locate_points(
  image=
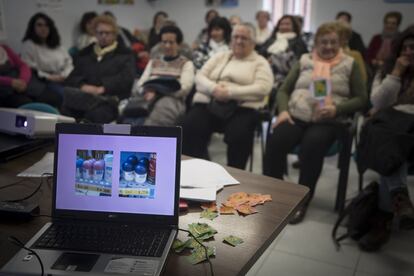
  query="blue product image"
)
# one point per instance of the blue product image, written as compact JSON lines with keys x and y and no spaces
{"x":144,"y":162}
{"x":133,"y":160}
{"x":79,"y":168}
{"x":140,"y":174}
{"x":128,"y":171}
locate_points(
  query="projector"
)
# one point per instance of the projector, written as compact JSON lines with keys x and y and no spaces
{"x":31,"y":123}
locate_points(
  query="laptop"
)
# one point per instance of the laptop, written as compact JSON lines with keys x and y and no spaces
{"x":115,"y":203}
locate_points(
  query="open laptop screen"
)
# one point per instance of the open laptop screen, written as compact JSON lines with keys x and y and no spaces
{"x":117,"y":174}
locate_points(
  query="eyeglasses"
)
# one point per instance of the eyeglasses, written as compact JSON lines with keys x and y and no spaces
{"x":102,"y":33}
{"x":165,"y":42}
{"x":328,"y":42}
{"x":241,"y":38}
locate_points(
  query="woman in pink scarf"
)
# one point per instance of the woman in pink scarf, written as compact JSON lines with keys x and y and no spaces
{"x":320,"y":93}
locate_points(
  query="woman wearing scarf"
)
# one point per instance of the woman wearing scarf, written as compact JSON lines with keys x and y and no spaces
{"x":283,"y":48}
{"x":219,"y":35}
{"x":321,"y":91}
{"x":380,"y":46}
{"x":14,"y":77}
{"x":104,"y":73}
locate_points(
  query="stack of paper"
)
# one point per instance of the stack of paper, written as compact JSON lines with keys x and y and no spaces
{"x":201,"y":179}
{"x":45,"y":165}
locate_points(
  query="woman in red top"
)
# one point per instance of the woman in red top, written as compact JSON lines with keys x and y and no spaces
{"x":14,"y":77}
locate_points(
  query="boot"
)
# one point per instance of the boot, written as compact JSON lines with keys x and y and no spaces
{"x":379,"y":233}
{"x":403,"y":208}
{"x":300,"y":214}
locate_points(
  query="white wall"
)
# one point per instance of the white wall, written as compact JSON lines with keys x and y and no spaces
{"x":189,"y":15}
{"x":367,"y":15}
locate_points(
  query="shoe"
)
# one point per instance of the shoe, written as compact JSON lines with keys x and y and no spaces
{"x":296,"y":164}
{"x":379,"y":233}
{"x":403,"y":209}
{"x":299,"y":215}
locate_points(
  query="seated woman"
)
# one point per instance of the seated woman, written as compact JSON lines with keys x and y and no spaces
{"x":184,"y":49}
{"x":345,"y":33}
{"x":166,"y":109}
{"x":104,"y":73}
{"x":321,"y":91}
{"x":387,"y":140}
{"x":284,"y":47}
{"x":14,"y":77}
{"x":87,"y":36}
{"x":240,"y":80}
{"x":50,"y":62}
{"x":203,"y":34}
{"x":219,"y":34}
{"x":154,"y":33}
{"x":379,"y":47}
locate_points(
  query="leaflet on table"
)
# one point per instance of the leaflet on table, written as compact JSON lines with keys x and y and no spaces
{"x":199,"y":194}
{"x":45,"y":165}
{"x":198,"y":173}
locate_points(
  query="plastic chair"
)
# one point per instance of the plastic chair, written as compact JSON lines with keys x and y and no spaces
{"x":43,"y":107}
{"x":343,"y":148}
{"x":265,"y":115}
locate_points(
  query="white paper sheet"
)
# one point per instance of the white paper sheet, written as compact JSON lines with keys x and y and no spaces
{"x":45,"y":165}
{"x":199,"y":194}
{"x":198,"y":173}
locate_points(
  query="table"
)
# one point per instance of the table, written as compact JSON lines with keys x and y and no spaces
{"x":257,"y":230}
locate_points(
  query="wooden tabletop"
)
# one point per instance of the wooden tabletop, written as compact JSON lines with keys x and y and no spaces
{"x":257,"y":230}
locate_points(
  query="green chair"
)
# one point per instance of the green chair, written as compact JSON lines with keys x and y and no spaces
{"x":40,"y":107}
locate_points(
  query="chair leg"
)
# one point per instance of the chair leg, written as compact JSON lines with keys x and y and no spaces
{"x":344,"y":156}
{"x":360,"y":181}
{"x":251,"y":158}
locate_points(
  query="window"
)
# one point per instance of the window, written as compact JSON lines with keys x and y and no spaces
{"x":278,"y":8}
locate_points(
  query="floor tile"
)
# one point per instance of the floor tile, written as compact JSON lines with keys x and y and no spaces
{"x":312,"y":239}
{"x":395,"y":258}
{"x":309,"y":243}
{"x":283,"y":264}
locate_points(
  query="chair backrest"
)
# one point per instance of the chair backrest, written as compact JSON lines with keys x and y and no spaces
{"x":40,"y":107}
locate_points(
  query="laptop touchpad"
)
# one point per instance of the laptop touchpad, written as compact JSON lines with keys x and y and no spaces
{"x":75,"y":262}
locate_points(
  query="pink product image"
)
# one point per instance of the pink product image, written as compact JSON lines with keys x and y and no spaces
{"x":88,"y":168}
{"x":98,"y":170}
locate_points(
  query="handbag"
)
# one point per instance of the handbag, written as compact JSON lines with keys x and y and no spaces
{"x":76,"y":99}
{"x":136,"y":107}
{"x":222,"y":110}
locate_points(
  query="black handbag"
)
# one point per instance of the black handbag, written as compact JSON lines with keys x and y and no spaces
{"x":74,"y":98}
{"x":222,"y":110}
{"x":137,"y":107}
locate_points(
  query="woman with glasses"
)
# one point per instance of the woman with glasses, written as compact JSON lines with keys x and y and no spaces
{"x":321,"y":92}
{"x":237,"y":81}
{"x":50,"y":62}
{"x":104,"y":73}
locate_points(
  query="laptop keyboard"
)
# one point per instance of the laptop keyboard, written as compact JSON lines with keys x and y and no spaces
{"x":111,"y":239}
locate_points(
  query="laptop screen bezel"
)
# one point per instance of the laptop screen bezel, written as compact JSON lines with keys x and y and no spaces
{"x":142,"y":131}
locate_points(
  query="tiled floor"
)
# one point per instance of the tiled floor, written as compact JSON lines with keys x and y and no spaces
{"x":307,"y":248}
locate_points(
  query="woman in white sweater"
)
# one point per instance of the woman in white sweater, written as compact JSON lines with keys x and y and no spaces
{"x":239,"y":78}
{"x":50,"y":62}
